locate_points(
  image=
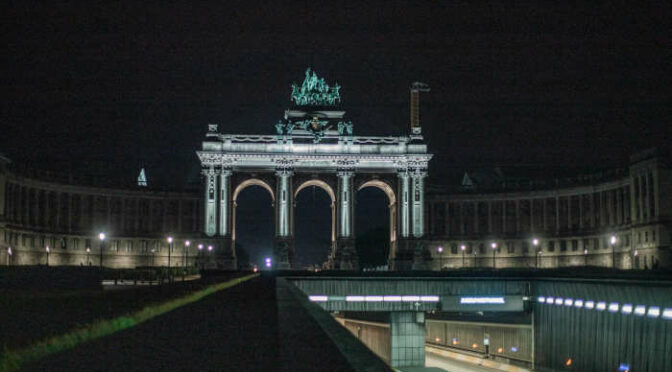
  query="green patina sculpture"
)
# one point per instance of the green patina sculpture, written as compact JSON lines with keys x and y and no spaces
{"x":315,"y":92}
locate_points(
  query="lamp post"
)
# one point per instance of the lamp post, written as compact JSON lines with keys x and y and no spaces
{"x":494,"y":252}
{"x":101,"y":237}
{"x":186,"y":247}
{"x":635,"y":257}
{"x":209,"y":252}
{"x":535,"y":244}
{"x":585,"y":257}
{"x":88,"y":251}
{"x":9,"y":255}
{"x":462,"y":248}
{"x":200,"y":256}
{"x":170,"y":248}
{"x":539,"y":255}
{"x":612,"y":240}
{"x":47,"y":249}
{"x":440,"y":250}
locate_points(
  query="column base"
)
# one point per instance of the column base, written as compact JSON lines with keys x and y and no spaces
{"x":344,"y":255}
{"x":283,"y":253}
{"x":225,"y":254}
{"x":411,"y":254}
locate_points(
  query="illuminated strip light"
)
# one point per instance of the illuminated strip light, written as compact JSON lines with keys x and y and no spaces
{"x":569,"y":302}
{"x":578,"y":303}
{"x":429,"y":298}
{"x":601,"y":305}
{"x":391,"y":298}
{"x":626,"y":308}
{"x":590,"y":304}
{"x":482,"y":300}
{"x":558,"y":301}
{"x":640,"y":310}
{"x":613,"y":307}
{"x":354,"y":298}
{"x":549,"y":300}
{"x":373,"y":298}
{"x":667,"y":313}
{"x":410,"y":298}
{"x":541,"y":299}
{"x":318,"y":298}
{"x":654,"y":311}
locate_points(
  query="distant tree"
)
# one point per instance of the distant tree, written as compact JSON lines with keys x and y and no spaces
{"x":373,"y":247}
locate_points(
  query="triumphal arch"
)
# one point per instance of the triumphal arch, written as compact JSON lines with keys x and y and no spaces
{"x":314,"y":145}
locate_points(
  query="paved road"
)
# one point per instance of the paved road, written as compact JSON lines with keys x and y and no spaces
{"x":232,"y":330}
{"x":452,"y":365}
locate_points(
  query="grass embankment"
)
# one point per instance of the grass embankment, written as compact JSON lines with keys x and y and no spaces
{"x":12,"y":360}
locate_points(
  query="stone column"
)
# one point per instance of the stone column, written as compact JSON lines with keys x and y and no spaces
{"x":407,"y":339}
{"x":210,"y":201}
{"x":345,"y":256}
{"x":404,"y":210}
{"x":225,"y":255}
{"x":224,"y":203}
{"x":283,"y":254}
{"x":418,"y":211}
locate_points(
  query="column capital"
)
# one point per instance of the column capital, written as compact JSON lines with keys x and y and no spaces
{"x":210,"y":171}
{"x":402,"y":172}
{"x":284,"y":172}
{"x":345,"y":172}
{"x":418,"y":173}
{"x":226,"y":172}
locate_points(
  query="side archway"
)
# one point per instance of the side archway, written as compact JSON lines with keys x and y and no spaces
{"x":243,"y":185}
{"x":391,"y":196}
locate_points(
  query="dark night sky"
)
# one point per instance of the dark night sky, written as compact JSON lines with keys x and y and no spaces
{"x":87,"y":84}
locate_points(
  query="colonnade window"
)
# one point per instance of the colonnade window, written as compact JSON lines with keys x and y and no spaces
{"x":551,"y":246}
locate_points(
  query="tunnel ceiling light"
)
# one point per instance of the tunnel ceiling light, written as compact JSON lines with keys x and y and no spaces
{"x":569,"y":302}
{"x":613,"y":307}
{"x":549,"y":300}
{"x":590,"y":304}
{"x":318,"y":298}
{"x":429,"y":298}
{"x":392,"y":298}
{"x":373,"y":298}
{"x":410,"y":298}
{"x":354,"y":298}
{"x":601,"y":305}
{"x":541,"y":299}
{"x":626,"y":309}
{"x":578,"y":303}
{"x":654,"y":311}
{"x":667,"y":313}
{"x":482,"y":300}
{"x":558,"y":301}
{"x":514,"y":349}
{"x":640,"y":310}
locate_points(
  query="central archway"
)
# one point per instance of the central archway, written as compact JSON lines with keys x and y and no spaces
{"x":392,"y":206}
{"x":332,"y":197}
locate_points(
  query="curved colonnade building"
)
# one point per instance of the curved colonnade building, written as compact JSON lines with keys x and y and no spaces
{"x":620,"y":218}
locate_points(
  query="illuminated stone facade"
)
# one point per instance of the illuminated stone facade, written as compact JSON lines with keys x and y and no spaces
{"x":573,"y":221}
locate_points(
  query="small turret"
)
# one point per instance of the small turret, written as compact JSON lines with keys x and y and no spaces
{"x":416,"y":88}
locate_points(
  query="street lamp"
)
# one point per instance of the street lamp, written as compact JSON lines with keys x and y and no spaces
{"x":494,"y":251}
{"x":535,"y":244}
{"x":539,"y":255}
{"x":101,"y":236}
{"x":462,"y":248}
{"x":186,"y":247}
{"x":170,"y":248}
{"x":88,"y":251}
{"x":268,"y":262}
{"x":613,"y":251}
{"x":200,"y":255}
{"x":47,"y":249}
{"x":9,"y":255}
{"x":440,"y":250}
{"x":585,"y":257}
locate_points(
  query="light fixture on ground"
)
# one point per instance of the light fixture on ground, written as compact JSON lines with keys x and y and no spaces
{"x":101,"y":237}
